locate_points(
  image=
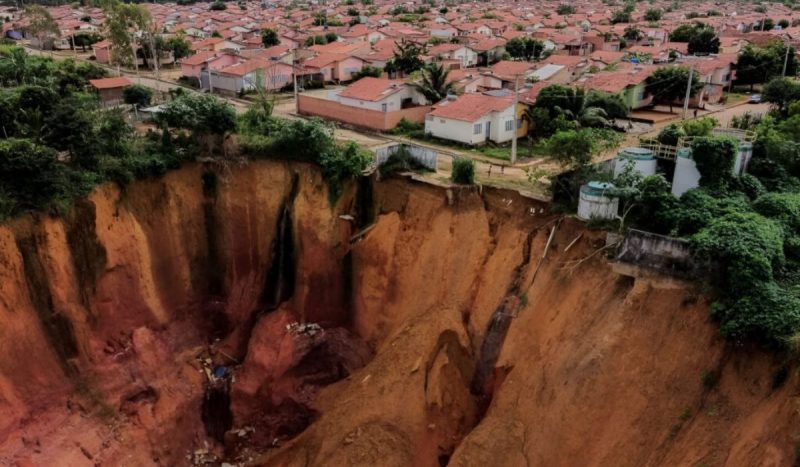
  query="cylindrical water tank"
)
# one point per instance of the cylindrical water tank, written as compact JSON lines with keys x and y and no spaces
{"x":686,"y":174}
{"x":643,"y":160}
{"x":596,"y":202}
{"x":743,"y":158}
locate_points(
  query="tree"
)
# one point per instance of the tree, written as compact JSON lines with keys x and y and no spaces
{"x":406,"y":57}
{"x":684,"y":32}
{"x":760,"y":64}
{"x":704,"y":41}
{"x":200,"y":113}
{"x":715,"y":158}
{"x":331,"y":37}
{"x":463,"y":171}
{"x":137,"y":95}
{"x":32,"y":176}
{"x":575,"y":149}
{"x":525,"y":48}
{"x":41,"y":24}
{"x":269,"y":38}
{"x":367,"y":70}
{"x":781,"y":91}
{"x":435,"y":84}
{"x":669,"y":84}
{"x":84,"y":40}
{"x":633,"y":34}
{"x":621,"y":17}
{"x":612,"y":104}
{"x":653,"y":14}
{"x":565,"y":9}
{"x":120,"y":20}
{"x":218,"y":5}
{"x":179,"y":47}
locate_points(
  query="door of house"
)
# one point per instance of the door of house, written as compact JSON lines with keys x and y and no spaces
{"x":488,"y":130}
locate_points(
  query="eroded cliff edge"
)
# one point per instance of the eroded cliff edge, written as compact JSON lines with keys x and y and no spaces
{"x":103,"y":315}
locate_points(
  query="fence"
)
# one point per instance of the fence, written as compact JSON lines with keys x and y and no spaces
{"x":365,"y":118}
{"x":665,"y":254}
{"x":424,"y":156}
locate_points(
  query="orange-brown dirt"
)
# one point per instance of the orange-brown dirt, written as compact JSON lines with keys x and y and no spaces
{"x":108,"y":316}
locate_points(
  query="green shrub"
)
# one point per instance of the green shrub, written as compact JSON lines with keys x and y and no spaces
{"x":769,"y":314}
{"x":399,"y":161}
{"x":341,"y":164}
{"x":137,"y":95}
{"x":671,"y":134}
{"x":463,"y":171}
{"x":715,"y":158}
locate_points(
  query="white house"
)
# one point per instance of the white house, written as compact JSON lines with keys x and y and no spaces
{"x":473,"y":119}
{"x":463,"y":54}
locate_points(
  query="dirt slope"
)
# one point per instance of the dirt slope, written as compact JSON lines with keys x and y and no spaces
{"x":108,"y":315}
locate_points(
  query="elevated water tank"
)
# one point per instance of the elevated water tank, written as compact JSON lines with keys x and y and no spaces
{"x":686,"y":174}
{"x":643,"y":160}
{"x":596,"y":202}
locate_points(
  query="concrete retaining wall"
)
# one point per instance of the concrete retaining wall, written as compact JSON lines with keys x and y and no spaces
{"x":665,"y":254}
{"x":424,"y":156}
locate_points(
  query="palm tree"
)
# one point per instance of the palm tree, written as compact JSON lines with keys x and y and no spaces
{"x":434,"y":85}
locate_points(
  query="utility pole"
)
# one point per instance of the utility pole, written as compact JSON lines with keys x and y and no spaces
{"x":785,"y":60}
{"x":514,"y":136}
{"x":688,"y":93}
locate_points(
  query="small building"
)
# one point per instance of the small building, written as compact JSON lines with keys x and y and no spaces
{"x":110,"y":89}
{"x":102,"y":51}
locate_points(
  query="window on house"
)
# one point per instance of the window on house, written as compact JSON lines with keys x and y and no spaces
{"x":509,"y":125}
{"x":384,"y":107}
{"x":477,"y":129}
{"x":441,"y":120}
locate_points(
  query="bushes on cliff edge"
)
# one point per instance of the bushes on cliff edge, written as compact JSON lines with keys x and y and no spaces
{"x":463,"y":171}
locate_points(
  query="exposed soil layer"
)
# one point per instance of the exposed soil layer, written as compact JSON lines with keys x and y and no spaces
{"x":244,"y":317}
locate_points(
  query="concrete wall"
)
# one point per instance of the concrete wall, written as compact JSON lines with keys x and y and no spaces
{"x":664,"y":254}
{"x":426,"y":157}
{"x":365,"y":118}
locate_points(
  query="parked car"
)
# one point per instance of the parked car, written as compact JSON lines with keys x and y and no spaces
{"x":755,"y":99}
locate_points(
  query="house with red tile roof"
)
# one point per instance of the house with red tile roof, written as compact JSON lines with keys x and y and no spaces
{"x":474,"y":119}
{"x":247,"y":76}
{"x":630,"y":84}
{"x":333,"y":66}
{"x":110,"y":89}
{"x":463,"y":54}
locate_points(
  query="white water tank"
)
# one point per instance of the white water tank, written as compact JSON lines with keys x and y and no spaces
{"x":743,"y":158}
{"x":596,"y":202}
{"x":686,"y":174}
{"x":643,"y":160}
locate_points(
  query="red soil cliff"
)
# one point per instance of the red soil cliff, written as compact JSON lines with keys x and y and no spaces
{"x":108,"y":315}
